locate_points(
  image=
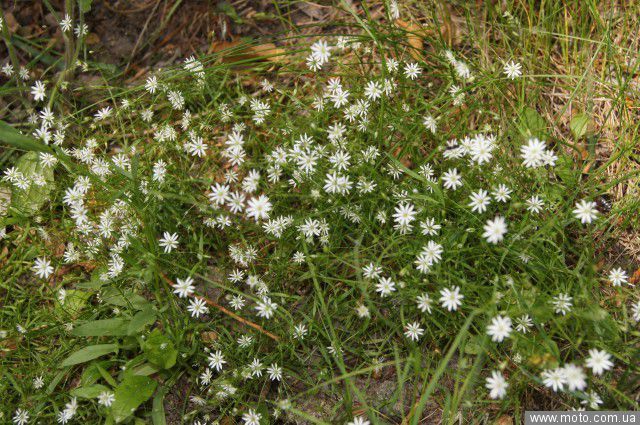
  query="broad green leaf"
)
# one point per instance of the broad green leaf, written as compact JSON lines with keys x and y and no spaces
{"x":89,"y":353}
{"x":566,"y":171}
{"x":56,"y":380}
{"x":13,"y":137}
{"x":89,"y":391}
{"x":105,"y":375}
{"x":73,"y":303}
{"x":579,"y":125}
{"x":85,"y":5}
{"x":114,"y":296}
{"x":140,"y":320}
{"x":474,"y":345}
{"x":531,"y":124}
{"x":157,"y":413}
{"x":90,"y":375}
{"x":159,"y":350}
{"x":145,"y":369}
{"x":106,"y":327}
{"x":130,"y":394}
{"x":29,"y":201}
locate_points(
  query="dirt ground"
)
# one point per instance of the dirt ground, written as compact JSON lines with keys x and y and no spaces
{"x":138,"y":35}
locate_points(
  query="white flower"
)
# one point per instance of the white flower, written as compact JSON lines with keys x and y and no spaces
{"x":336,"y":183}
{"x":219,"y":194}
{"x":169,"y":241}
{"x":495,"y":230}
{"x":151,"y":85}
{"x":371,"y":271}
{"x":216,"y":360}
{"x":599,"y":361}
{"x":38,"y":90}
{"x":424,"y":303}
{"x":533,"y":153}
{"x":251,"y":417}
{"x":413,"y":331}
{"x":197,"y":306}
{"x":103,"y":113}
{"x":394,"y":12}
{"x":256,"y":367}
{"x":42,"y":268}
{"x":321,"y":51}
{"x":266,"y":307}
{"x":183,"y":287}
{"x":501,"y":193}
{"x":385,"y":286}
{"x":38,"y":382}
{"x":562,"y":303}
{"x":451,"y":178}
{"x":479,"y":201}
{"x":176,"y":99}
{"x":554,"y":378}
{"x":259,"y":208}
{"x":359,"y":420}
{"x":430,"y":123}
{"x":523,"y":323}
{"x":499,"y":329}
{"x":585,"y":211}
{"x":21,"y":417}
{"x":497,"y":385}
{"x":362,"y":311}
{"x":66,"y":24}
{"x":535,"y":204}
{"x":451,"y":298}
{"x":404,"y":215}
{"x":432,"y":251}
{"x":106,"y":398}
{"x":275,"y":372}
{"x":339,"y":97}
{"x":636,"y":311}
{"x":412,"y":70}
{"x":429,"y":227}
{"x":575,"y":376}
{"x":300,"y":331}
{"x":482,"y":148}
{"x":593,"y":400}
{"x":618,"y":276}
{"x":512,"y":70}
{"x":373,"y":90}
{"x":462,"y":70}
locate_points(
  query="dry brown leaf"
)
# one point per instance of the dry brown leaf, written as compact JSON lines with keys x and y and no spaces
{"x":413,"y":32}
{"x":504,"y":420}
{"x":209,"y":336}
{"x":236,"y":51}
{"x":12,"y":24}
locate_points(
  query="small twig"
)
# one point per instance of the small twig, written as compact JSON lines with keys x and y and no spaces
{"x":228,"y":313}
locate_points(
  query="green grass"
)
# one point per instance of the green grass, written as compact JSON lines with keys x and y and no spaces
{"x":576,"y":58}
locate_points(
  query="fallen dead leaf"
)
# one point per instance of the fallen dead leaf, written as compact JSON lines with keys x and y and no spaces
{"x":209,"y":336}
{"x":237,"y":51}
{"x":414,"y":35}
{"x":504,"y":420}
{"x":11,"y":22}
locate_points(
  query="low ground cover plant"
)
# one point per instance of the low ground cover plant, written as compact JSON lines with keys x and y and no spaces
{"x":351,"y":222}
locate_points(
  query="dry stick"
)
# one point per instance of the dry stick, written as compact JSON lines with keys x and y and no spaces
{"x":229,"y":313}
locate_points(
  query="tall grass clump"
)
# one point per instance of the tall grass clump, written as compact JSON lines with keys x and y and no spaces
{"x":352,"y":231}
